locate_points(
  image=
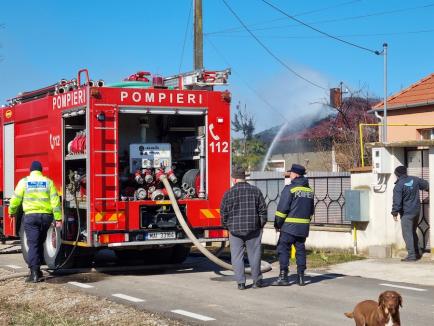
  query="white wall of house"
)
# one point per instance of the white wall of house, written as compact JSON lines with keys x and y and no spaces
{"x":319,"y":237}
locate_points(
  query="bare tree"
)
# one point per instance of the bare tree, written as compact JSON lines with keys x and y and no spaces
{"x":345,"y":131}
{"x":248,"y":150}
{"x":243,"y":122}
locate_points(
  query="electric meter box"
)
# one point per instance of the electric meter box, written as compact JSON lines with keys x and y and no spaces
{"x":381,"y":160}
{"x":148,"y":156}
{"x":357,"y":205}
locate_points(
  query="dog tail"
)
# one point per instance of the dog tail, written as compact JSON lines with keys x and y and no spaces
{"x":349,"y":314}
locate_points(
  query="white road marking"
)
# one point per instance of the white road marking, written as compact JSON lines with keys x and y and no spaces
{"x":127,"y":297}
{"x":81,"y":285}
{"x":192,"y":315}
{"x":14,"y":266}
{"x":403,"y":287}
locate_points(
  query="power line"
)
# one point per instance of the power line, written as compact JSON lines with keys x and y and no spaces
{"x":374,"y":14}
{"x":185,"y":36}
{"x":326,"y":8}
{"x":322,"y":36}
{"x":319,"y":31}
{"x":269,"y":51}
{"x":268,"y":104}
{"x":236,"y":29}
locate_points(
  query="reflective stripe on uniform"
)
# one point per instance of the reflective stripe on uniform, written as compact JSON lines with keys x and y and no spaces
{"x":281,"y":214}
{"x":297,"y":220}
{"x":35,"y":190}
{"x":305,"y":189}
{"x":35,"y":199}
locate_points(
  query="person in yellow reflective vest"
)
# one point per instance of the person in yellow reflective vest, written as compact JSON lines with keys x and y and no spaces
{"x":38,"y":196}
{"x":292,"y":219}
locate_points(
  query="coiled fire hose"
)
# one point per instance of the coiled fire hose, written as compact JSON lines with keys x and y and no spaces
{"x":265,"y":267}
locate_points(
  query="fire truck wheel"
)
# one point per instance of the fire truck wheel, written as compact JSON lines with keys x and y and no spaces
{"x":179,"y":254}
{"x":56,"y":253}
{"x":23,"y":240}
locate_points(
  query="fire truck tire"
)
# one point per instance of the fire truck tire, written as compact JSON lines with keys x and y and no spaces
{"x":56,"y":253}
{"x":179,"y":254}
{"x":23,"y":240}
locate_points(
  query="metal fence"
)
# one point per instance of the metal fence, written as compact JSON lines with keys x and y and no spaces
{"x":329,"y":189}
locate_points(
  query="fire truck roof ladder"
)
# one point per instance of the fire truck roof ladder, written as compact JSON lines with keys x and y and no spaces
{"x":198,"y":78}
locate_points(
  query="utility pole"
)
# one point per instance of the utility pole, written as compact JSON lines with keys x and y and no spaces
{"x":385,"y":94}
{"x":198,"y":35}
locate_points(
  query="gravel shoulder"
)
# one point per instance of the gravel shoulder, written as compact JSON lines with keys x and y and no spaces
{"x":55,"y":304}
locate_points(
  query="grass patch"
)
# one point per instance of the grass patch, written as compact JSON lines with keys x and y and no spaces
{"x":23,"y":314}
{"x":315,"y":258}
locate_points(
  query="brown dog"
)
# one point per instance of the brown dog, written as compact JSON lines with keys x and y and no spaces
{"x":383,"y":313}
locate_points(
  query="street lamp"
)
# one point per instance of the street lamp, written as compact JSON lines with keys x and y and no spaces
{"x":384,"y":53}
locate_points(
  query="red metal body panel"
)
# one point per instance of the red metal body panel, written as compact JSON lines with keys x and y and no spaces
{"x":109,"y":100}
{"x":38,"y":136}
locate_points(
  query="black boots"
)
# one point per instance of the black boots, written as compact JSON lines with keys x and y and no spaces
{"x":35,"y":276}
{"x":241,"y":286}
{"x":282,"y":280}
{"x":300,"y":279}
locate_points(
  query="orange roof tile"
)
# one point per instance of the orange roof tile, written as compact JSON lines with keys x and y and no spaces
{"x":419,"y":93}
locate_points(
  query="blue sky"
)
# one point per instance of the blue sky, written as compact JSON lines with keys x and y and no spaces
{"x":44,"y":41}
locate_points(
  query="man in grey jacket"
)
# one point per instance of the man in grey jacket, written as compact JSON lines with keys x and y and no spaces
{"x":406,"y":203}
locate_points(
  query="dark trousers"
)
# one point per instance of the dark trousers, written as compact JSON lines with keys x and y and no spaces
{"x":409,"y":227}
{"x":36,"y":227}
{"x":284,"y":244}
{"x":252,"y":244}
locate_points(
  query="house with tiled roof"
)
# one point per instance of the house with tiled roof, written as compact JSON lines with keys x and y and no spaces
{"x":413,"y":106}
{"x":331,"y":143}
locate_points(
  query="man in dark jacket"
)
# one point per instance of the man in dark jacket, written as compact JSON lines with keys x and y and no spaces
{"x":406,"y":202}
{"x":293,"y":214}
{"x":244,"y":213}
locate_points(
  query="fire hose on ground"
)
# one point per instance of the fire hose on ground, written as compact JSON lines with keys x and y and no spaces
{"x":265,"y":267}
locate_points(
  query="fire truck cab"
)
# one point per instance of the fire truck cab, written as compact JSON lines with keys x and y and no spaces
{"x":105,"y":146}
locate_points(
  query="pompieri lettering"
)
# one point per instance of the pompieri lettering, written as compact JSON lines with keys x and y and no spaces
{"x":69,"y":99}
{"x":172,"y":98}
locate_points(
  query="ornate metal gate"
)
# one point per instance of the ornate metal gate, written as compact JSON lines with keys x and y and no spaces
{"x":417,"y":165}
{"x":329,"y":189}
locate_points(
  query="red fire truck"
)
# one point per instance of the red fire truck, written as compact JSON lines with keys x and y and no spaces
{"x":105,"y":146}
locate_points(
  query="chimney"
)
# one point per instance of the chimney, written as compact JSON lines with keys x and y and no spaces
{"x":335,"y":97}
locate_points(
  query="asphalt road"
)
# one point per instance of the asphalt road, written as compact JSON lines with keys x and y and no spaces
{"x":202,"y":294}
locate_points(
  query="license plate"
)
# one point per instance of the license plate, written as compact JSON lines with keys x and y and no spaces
{"x":161,"y":235}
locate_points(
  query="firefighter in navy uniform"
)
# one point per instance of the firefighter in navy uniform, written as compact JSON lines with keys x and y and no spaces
{"x":41,"y":204}
{"x":292,"y":219}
